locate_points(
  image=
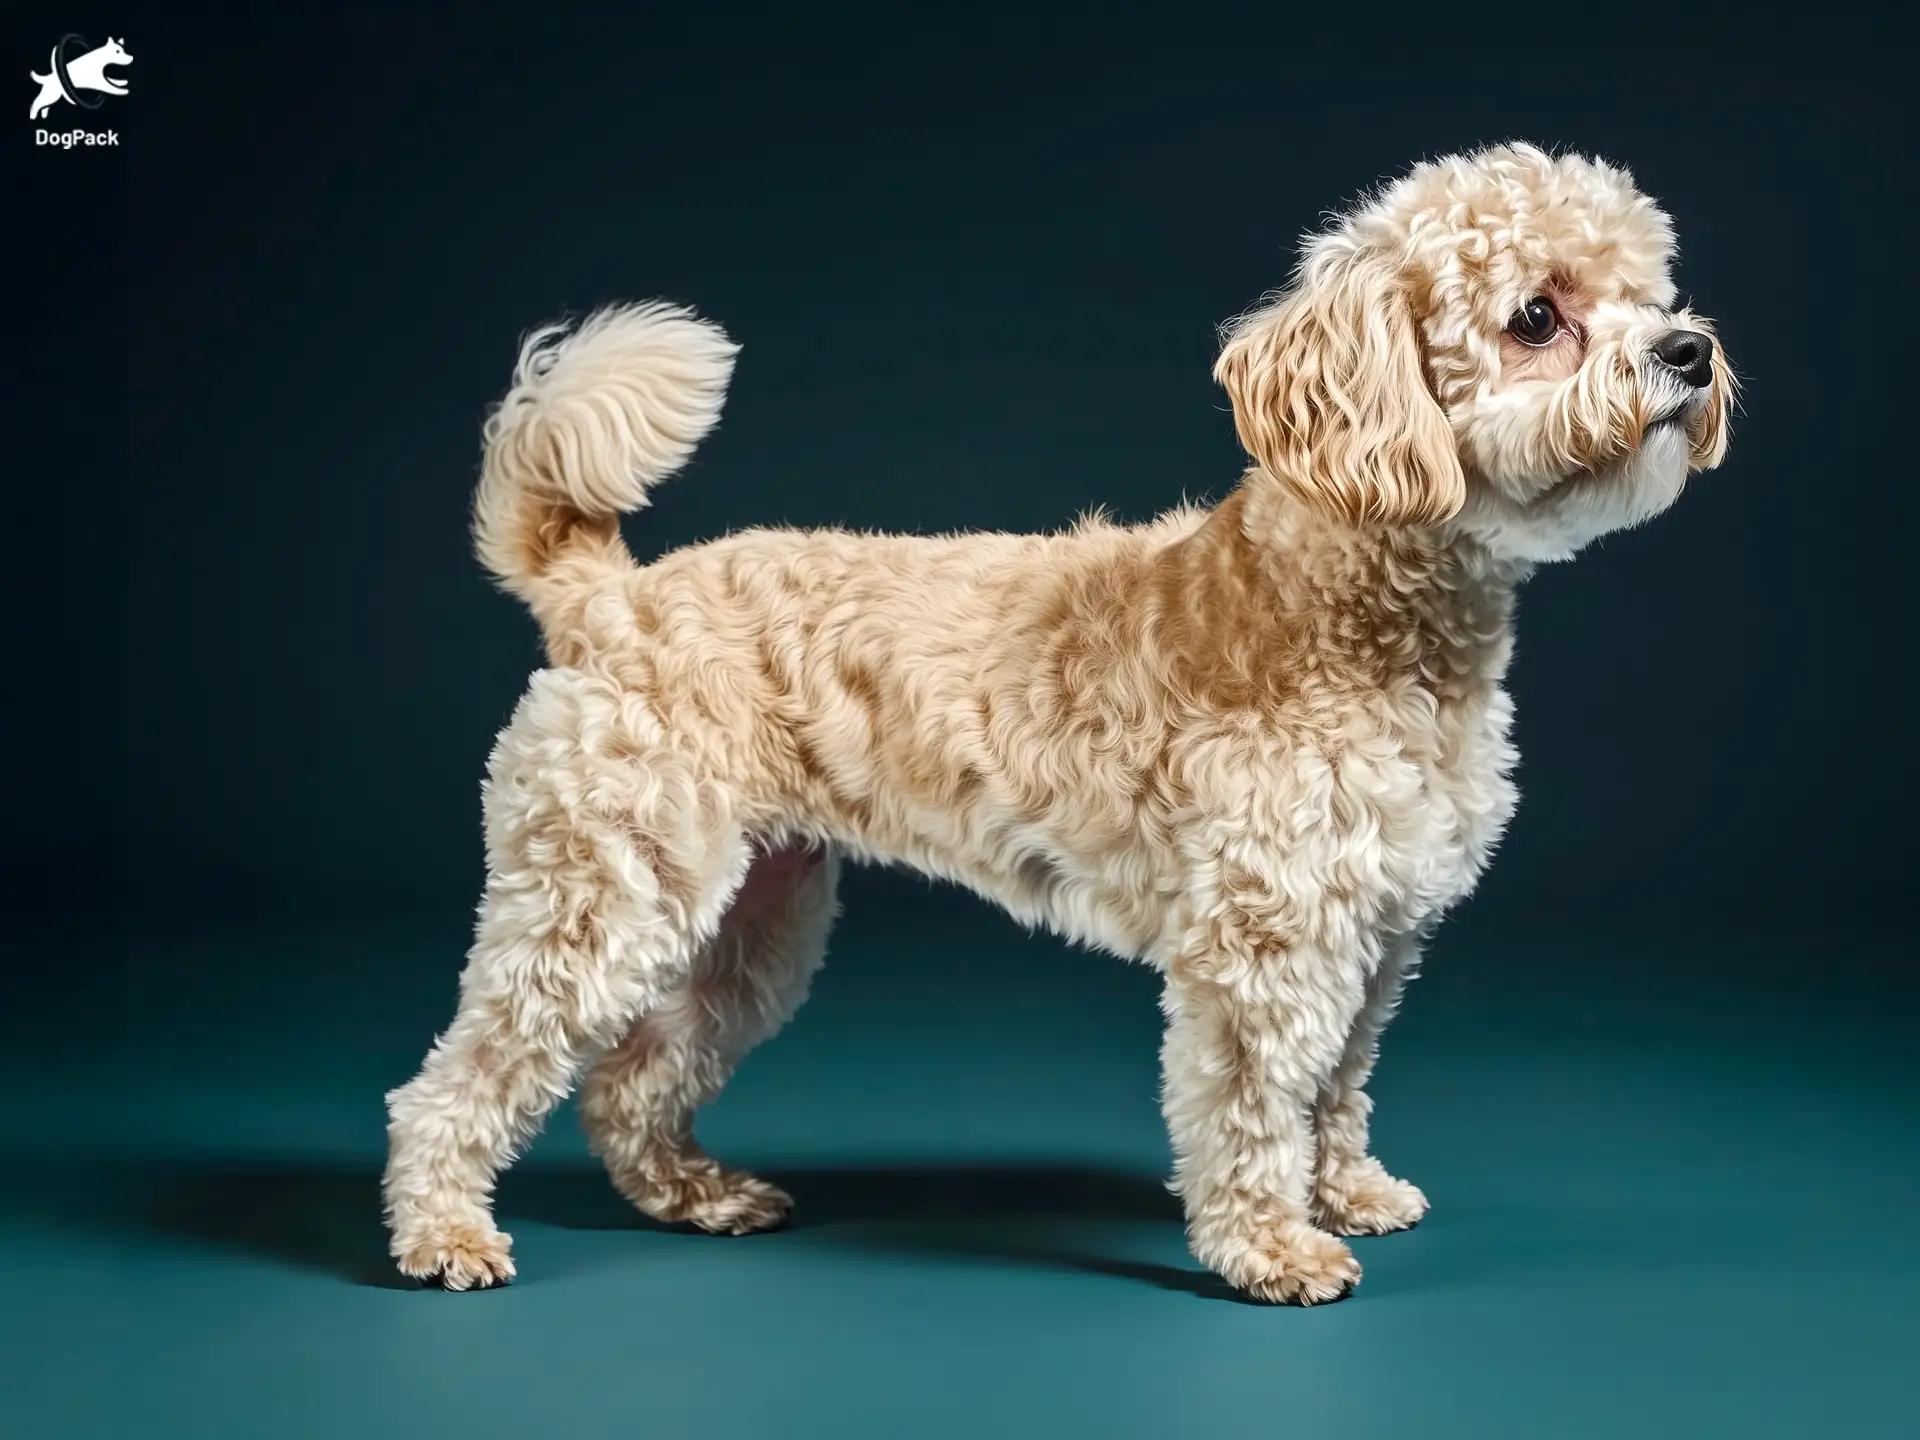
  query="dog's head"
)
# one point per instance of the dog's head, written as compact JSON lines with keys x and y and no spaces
{"x":1488,"y":345}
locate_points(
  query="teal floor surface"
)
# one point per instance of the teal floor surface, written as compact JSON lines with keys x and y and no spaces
{"x":1660,"y":1209}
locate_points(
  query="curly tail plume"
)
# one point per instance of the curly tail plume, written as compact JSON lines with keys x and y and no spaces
{"x":596,"y":416}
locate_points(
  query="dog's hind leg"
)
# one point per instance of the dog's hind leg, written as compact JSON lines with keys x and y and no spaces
{"x":639,"y":1101}
{"x":609,"y":866}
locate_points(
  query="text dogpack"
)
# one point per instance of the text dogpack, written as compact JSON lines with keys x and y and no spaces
{"x":68,"y":139}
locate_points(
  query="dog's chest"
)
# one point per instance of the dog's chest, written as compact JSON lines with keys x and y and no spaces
{"x":1467,"y":796}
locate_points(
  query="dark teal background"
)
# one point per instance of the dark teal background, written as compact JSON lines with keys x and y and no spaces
{"x":1659,"y":1079}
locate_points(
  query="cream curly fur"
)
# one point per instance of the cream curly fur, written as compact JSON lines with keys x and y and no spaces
{"x":1261,"y":747}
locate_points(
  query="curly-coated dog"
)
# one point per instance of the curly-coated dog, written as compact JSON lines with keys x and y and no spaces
{"x":1261,"y":747}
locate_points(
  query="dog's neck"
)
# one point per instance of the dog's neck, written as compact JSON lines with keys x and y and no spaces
{"x":1266,"y":590}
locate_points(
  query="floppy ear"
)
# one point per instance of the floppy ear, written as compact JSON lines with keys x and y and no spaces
{"x":1330,"y":395}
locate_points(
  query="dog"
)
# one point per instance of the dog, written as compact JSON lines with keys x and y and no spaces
{"x":87,"y":72}
{"x":1262,"y":747}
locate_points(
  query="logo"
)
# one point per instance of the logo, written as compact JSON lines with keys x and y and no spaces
{"x":78,"y":76}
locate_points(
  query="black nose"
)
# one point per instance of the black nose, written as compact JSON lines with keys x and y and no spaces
{"x":1689,"y":354}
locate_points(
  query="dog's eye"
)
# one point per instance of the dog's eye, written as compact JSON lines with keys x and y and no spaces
{"x":1536,"y":323}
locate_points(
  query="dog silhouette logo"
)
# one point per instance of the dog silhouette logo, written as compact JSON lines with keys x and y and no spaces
{"x":79,"y":75}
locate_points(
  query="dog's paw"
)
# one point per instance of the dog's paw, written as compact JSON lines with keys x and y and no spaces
{"x":458,"y":1257}
{"x":1365,"y":1200}
{"x":740,"y":1204}
{"x":717,"y":1200}
{"x":1287,"y":1263}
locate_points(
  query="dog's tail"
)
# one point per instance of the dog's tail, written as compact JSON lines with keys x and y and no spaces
{"x":597,"y":415}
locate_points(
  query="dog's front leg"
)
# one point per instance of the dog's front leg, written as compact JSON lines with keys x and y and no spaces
{"x":1354,"y":1194}
{"x":1259,"y":1007}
